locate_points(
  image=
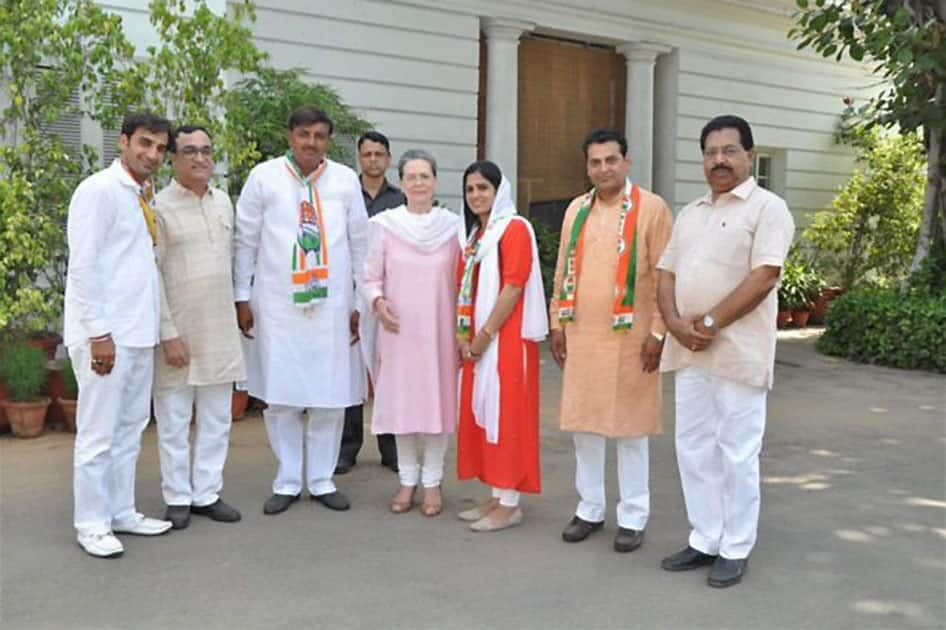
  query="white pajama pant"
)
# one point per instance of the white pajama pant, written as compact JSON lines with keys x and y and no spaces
{"x":719,"y":431}
{"x":633,"y":479}
{"x":112,"y":412}
{"x":198,"y":484}
{"x":322,"y":439}
{"x":408,"y":458}
{"x":507,"y":498}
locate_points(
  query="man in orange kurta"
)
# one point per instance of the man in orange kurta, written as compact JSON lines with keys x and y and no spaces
{"x":609,"y":349}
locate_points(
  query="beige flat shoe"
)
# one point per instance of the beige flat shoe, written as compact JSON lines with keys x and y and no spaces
{"x":475,"y":513}
{"x":431,"y":506}
{"x":487,"y":525}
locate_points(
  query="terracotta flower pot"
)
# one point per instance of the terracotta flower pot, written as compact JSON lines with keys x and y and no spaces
{"x":241,"y":399}
{"x":55,"y":389}
{"x":26,"y":418}
{"x":68,"y":408}
{"x":800,"y":318}
{"x":47,"y":342}
{"x":4,"y":423}
{"x":783,"y":318}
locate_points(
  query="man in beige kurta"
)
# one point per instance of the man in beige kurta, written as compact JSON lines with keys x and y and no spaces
{"x":611,"y":387}
{"x":201,"y":355}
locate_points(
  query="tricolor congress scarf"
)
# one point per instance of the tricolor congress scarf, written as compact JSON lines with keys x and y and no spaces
{"x":623,"y":316}
{"x":310,"y":249}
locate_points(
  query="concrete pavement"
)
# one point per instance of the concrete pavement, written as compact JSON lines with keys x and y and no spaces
{"x":852,"y":534}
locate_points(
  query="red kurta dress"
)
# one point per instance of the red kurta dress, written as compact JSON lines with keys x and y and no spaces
{"x":512,"y":463}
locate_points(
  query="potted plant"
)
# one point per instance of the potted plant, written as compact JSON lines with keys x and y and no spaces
{"x":67,"y":402}
{"x":800,"y":287}
{"x":23,"y":371}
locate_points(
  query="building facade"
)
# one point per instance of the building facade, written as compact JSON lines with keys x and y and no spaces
{"x":522,"y":81}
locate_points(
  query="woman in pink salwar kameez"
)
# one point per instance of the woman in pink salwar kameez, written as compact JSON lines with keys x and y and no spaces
{"x":409,"y":330}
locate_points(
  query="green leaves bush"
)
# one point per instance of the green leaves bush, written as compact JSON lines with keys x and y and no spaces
{"x":901,"y":329}
{"x":23,"y":371}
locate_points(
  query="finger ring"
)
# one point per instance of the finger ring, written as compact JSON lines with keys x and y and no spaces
{"x":97,"y":362}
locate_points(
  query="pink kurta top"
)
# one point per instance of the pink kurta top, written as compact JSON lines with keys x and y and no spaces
{"x":416,"y":374}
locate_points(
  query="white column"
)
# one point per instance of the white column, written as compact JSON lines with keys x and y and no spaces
{"x":502,"y":93}
{"x":639,"y":107}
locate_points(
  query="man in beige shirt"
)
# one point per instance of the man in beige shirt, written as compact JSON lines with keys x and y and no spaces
{"x":201,"y":355}
{"x":716,"y":294}
{"x":607,"y":335}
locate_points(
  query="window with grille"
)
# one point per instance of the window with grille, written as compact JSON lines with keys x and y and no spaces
{"x":762,"y":170}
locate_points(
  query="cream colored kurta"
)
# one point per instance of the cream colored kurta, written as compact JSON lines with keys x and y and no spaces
{"x":194,"y":253}
{"x":604,"y":389}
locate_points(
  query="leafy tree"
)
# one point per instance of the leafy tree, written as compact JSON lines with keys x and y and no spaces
{"x":870,"y":231}
{"x":258,"y":108}
{"x":905,"y":42}
{"x":49,"y":50}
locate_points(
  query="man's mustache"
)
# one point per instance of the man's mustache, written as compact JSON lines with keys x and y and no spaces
{"x":721,"y":168}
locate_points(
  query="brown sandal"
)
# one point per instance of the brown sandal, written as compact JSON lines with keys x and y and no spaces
{"x":400,"y":507}
{"x":432,"y":508}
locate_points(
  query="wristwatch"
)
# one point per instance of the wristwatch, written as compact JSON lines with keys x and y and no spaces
{"x":710,"y":324}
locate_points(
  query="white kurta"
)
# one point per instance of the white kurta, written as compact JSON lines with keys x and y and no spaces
{"x":300,"y":357}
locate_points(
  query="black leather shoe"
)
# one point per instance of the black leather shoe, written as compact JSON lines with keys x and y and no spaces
{"x":578,"y":529}
{"x":686,"y":560}
{"x":726,"y":572}
{"x":279,"y":503}
{"x":333,"y":501}
{"x":179,"y":515}
{"x":343,"y":466}
{"x":217,"y":511}
{"x":628,"y":539}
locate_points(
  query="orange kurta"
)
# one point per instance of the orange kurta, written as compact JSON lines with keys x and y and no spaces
{"x":512,"y":463}
{"x":604,"y":389}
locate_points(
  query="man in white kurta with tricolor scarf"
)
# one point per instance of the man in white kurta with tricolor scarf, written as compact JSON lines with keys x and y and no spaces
{"x":300,"y":236}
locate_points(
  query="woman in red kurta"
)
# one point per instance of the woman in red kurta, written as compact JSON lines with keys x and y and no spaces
{"x":503,"y":454}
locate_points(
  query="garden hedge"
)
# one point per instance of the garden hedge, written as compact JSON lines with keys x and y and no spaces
{"x":901,"y":329}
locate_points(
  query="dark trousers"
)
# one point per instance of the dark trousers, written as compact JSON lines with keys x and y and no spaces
{"x":353,"y":437}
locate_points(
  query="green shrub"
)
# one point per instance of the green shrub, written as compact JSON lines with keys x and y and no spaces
{"x":70,"y":386}
{"x":547,"y":241}
{"x":800,"y":286}
{"x":902,"y":329}
{"x":23,"y":371}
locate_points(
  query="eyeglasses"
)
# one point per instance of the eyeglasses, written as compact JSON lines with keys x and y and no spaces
{"x":192,"y":152}
{"x":729,"y":151}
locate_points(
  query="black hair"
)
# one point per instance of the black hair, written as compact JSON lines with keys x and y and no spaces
{"x":728,"y":122}
{"x":600,"y":136}
{"x":492,"y":174}
{"x":172,"y":145}
{"x":310,"y":115}
{"x":152,"y":122}
{"x":374,"y":136}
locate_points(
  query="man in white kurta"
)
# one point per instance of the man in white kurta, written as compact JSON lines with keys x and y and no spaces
{"x":717,"y":295}
{"x":110,"y":326}
{"x":300,"y":357}
{"x":200,"y":356}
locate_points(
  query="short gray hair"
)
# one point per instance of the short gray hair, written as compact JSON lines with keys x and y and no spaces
{"x":416,"y":154}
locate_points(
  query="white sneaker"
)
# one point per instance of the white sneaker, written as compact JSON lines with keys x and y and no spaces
{"x":141,"y":525}
{"x":101,"y":545}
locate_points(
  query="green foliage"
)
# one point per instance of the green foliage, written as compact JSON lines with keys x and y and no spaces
{"x":258,"y":108}
{"x":800,"y":287}
{"x":902,"y":329}
{"x":23,"y":371}
{"x":50,"y":49}
{"x":870,"y":232}
{"x":70,"y":386}
{"x":547,"y":241}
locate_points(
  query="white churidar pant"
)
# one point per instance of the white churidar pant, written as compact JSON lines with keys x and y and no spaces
{"x":719,"y":431}
{"x":322,"y":439}
{"x":112,"y":412}
{"x":507,"y":498}
{"x":182,"y":483}
{"x":408,"y":462}
{"x":633,"y":509}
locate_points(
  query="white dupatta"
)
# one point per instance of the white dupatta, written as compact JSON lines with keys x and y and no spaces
{"x":535,"y":325}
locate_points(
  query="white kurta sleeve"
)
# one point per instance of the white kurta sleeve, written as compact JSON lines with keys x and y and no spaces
{"x":372,"y":278}
{"x":357,"y":229}
{"x":168,"y":329}
{"x":91,"y":214}
{"x":249,"y":224}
